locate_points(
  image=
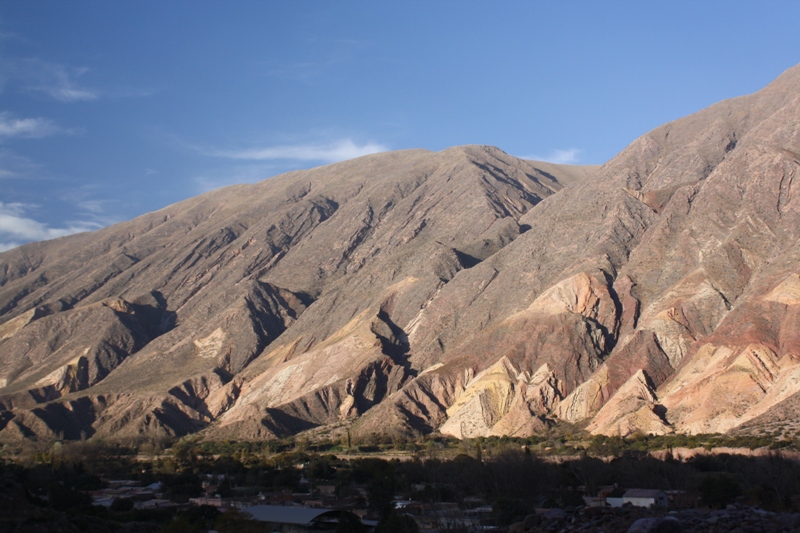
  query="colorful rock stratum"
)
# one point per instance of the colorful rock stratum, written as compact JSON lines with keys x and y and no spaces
{"x":464,"y":291}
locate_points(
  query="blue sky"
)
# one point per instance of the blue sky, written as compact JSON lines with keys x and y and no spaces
{"x":112,"y":109}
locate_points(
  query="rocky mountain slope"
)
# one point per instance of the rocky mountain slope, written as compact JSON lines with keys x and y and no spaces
{"x":465,"y":291}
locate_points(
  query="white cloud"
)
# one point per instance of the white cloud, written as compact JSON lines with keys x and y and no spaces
{"x":328,"y":153}
{"x":16,"y":228}
{"x":560,"y":157}
{"x":26,"y":127}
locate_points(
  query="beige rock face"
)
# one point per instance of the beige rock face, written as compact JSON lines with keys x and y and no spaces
{"x":69,"y":378}
{"x":638,"y":358}
{"x":586,"y":399}
{"x":485,"y":400}
{"x":724,"y":387}
{"x":15,"y":324}
{"x":579,"y":294}
{"x":634,"y":407}
{"x":543,"y":391}
{"x":787,"y":293}
{"x":690,"y":309}
{"x":465,"y":290}
{"x":210,"y":347}
{"x":502,"y":401}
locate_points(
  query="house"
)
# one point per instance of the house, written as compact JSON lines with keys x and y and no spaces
{"x":223,"y":503}
{"x":595,"y":501}
{"x":126,"y":490}
{"x":645,"y":498}
{"x":612,"y":495}
{"x":296,"y":519}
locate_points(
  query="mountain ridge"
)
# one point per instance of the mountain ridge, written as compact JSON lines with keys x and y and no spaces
{"x":465,"y":291}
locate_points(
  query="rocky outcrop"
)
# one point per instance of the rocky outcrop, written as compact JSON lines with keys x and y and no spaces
{"x":502,"y":401}
{"x":633,"y":408}
{"x":723,"y":387}
{"x":73,"y":349}
{"x":640,"y":353}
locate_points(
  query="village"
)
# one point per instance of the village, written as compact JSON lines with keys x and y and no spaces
{"x":319,"y":508}
{"x":437,"y":485}
{"x":331,"y":507}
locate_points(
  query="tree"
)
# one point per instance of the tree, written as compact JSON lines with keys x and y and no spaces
{"x":121,"y":505}
{"x":234,"y":521}
{"x":350,"y":523}
{"x":509,"y":510}
{"x":62,"y":498}
{"x":396,"y":522}
{"x":719,"y":490}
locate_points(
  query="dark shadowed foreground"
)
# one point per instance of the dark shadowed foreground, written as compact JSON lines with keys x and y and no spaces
{"x":487,"y":484}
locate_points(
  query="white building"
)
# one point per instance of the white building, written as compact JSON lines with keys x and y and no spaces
{"x":641,"y":498}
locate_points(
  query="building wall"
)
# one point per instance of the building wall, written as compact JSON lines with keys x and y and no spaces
{"x":647,"y":502}
{"x":640,"y":502}
{"x":615,"y":502}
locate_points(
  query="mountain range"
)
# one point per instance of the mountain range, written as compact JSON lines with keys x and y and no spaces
{"x":464,"y":291}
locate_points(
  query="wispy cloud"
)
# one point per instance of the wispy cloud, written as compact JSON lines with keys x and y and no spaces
{"x":26,"y":127}
{"x":328,"y":153}
{"x":17,"y":167}
{"x":64,"y":83}
{"x":91,"y":211}
{"x":324,"y":60}
{"x":93,"y":206}
{"x":16,"y":228}
{"x":559,"y":156}
{"x":61,"y":82}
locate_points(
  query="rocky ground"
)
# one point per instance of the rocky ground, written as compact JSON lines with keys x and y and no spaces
{"x":739,"y":519}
